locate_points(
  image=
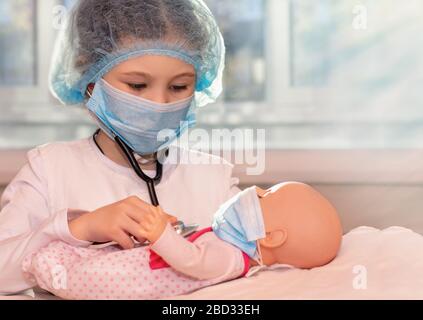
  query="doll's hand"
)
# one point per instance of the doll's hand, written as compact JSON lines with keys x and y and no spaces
{"x":154,"y":223}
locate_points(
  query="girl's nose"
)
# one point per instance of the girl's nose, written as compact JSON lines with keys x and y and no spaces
{"x":158,"y":96}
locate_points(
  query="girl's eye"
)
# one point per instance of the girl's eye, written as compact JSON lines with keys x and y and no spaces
{"x":179,"y":88}
{"x":137,"y":86}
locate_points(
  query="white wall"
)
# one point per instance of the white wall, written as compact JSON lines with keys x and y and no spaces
{"x":373,"y":205}
{"x":379,"y":206}
{"x":379,"y":190}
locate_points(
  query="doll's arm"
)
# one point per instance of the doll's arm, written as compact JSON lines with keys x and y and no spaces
{"x":208,"y":257}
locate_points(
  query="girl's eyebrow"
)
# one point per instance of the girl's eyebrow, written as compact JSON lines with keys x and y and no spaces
{"x":185,"y":74}
{"x":137,"y":73}
{"x":144,"y":74}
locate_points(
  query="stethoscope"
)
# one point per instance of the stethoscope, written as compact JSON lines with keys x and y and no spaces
{"x":179,"y":226}
{"x":129,"y":153}
{"x":151,"y":182}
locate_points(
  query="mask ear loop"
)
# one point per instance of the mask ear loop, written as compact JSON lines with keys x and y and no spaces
{"x":260,"y":255}
{"x":260,"y":266}
{"x":260,"y":194}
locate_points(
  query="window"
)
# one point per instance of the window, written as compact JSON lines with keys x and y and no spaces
{"x":340,"y":75}
{"x":17,"y":43}
{"x":363,"y":62}
{"x":319,"y":74}
{"x":29,"y":115}
{"x":242,"y":25}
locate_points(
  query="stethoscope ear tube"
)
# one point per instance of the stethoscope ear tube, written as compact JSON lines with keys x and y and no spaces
{"x":134,"y":163}
{"x":152,"y":193}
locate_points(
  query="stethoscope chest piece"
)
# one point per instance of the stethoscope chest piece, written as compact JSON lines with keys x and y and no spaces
{"x":185,"y":230}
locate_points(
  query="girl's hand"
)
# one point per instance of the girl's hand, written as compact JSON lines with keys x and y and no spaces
{"x":114,"y":222}
{"x":154,"y":223}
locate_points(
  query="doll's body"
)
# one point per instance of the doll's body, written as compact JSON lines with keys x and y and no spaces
{"x":112,"y":273}
{"x":301,"y":229}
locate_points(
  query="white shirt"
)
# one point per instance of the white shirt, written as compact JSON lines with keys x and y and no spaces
{"x":62,"y":180}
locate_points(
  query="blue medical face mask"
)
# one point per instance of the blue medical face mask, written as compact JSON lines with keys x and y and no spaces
{"x":239,"y":221}
{"x":145,"y":126}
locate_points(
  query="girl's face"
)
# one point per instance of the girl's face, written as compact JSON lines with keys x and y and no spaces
{"x":160,"y":79}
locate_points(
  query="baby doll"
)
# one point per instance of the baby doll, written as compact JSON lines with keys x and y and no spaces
{"x":288,"y":225}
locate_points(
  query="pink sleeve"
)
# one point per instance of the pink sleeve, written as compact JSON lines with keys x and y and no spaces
{"x":26,"y":223}
{"x":208,"y":257}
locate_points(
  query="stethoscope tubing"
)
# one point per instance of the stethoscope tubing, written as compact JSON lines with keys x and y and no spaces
{"x":151,"y":182}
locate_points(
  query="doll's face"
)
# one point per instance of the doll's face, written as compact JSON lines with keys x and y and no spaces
{"x":156,"y":78}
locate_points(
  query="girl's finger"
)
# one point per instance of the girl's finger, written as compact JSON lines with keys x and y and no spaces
{"x":158,"y":211}
{"x":149,"y":218}
{"x":149,"y":214}
{"x":136,"y":214}
{"x":124,"y":240}
{"x":133,"y":228}
{"x":143,"y":233}
{"x":171,"y":219}
{"x":137,"y":202}
{"x":155,"y":211}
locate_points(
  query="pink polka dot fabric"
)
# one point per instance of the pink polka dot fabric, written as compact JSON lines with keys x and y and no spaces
{"x":107,"y":273}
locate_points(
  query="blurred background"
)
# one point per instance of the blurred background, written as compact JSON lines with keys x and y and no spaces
{"x":336,"y":84}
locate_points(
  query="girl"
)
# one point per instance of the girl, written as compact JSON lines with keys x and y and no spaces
{"x":140,"y":67}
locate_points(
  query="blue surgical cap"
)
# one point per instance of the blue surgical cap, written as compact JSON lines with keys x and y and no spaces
{"x":100,"y":34}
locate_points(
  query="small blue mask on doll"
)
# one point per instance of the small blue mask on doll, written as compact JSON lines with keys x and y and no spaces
{"x":239,"y":221}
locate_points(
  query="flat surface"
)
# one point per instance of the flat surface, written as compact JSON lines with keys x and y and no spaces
{"x":372,"y":264}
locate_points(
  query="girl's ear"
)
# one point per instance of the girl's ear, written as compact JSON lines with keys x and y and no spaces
{"x":274,"y":239}
{"x":90,"y":89}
